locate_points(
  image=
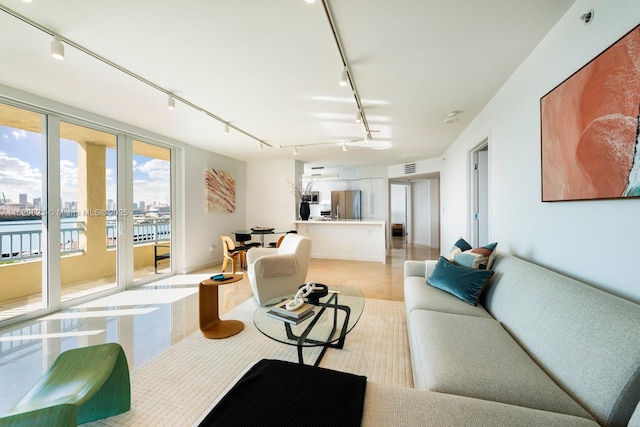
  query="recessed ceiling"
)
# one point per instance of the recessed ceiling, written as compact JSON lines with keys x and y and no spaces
{"x":271,"y":68}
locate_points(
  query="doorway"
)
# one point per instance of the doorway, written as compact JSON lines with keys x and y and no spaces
{"x":480,"y":194}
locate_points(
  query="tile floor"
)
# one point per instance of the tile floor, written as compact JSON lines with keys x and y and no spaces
{"x":149,"y":320}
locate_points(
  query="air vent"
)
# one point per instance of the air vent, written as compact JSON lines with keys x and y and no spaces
{"x":409,"y":168}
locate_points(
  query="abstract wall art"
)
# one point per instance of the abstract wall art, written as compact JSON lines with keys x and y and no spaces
{"x":590,"y":128}
{"x":220,"y":191}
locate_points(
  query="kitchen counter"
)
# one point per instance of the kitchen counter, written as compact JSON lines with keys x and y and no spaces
{"x":346,"y":239}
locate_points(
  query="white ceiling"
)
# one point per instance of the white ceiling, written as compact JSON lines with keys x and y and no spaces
{"x":271,"y":68}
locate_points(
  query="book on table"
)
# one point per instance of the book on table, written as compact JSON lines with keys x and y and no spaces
{"x":288,"y":319}
{"x":281,"y":308}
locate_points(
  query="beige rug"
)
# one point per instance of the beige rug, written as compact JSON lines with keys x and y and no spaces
{"x":179,"y":386}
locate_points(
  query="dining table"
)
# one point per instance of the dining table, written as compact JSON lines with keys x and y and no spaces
{"x":261,"y":231}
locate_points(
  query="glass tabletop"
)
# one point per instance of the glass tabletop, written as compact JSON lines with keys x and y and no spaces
{"x":341,"y":303}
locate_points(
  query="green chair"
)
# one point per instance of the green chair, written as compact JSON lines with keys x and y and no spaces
{"x":84,"y":384}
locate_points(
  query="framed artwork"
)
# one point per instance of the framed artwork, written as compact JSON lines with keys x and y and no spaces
{"x":220,"y":189}
{"x":590,"y":128}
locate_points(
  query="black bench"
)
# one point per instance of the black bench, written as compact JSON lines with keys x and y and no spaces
{"x":159,"y":257}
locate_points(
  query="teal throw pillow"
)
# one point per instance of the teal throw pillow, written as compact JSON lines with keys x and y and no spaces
{"x":463,"y":282}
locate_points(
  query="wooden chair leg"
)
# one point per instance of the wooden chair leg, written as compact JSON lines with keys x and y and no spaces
{"x":233,"y":263}
{"x":224,"y":264}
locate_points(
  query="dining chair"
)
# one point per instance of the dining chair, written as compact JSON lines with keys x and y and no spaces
{"x":231,"y":253}
{"x":243,"y":239}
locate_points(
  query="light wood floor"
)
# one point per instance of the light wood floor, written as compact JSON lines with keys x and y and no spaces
{"x":374,"y":279}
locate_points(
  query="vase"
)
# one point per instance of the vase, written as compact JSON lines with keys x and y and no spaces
{"x":304,"y":211}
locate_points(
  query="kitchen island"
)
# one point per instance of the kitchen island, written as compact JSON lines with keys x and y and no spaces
{"x":346,"y":239}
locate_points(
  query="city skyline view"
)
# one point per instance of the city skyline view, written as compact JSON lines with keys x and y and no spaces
{"x":21,"y":156}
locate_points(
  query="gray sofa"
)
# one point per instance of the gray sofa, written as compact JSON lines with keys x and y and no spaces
{"x":540,"y":348}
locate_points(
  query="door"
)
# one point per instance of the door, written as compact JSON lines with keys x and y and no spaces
{"x":480,"y":196}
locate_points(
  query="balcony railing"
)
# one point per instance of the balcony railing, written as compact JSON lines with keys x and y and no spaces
{"x":19,"y":245}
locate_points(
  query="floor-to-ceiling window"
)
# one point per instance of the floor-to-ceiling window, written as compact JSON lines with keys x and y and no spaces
{"x":22,"y":247}
{"x":89,"y":207}
{"x":152,"y":209}
{"x":64,"y":209}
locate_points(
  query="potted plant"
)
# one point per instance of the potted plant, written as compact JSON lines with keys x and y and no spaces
{"x":303,"y":196}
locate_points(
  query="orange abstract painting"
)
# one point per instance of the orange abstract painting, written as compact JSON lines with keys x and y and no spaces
{"x":220,"y":191}
{"x":590,"y":128}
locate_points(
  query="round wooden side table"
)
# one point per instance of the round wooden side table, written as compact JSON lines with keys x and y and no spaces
{"x":210,"y":323}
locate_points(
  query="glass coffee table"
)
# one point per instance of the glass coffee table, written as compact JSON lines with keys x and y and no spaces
{"x":335,"y":315}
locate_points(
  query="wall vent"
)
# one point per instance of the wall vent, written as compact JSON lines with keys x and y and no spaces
{"x":409,"y":168}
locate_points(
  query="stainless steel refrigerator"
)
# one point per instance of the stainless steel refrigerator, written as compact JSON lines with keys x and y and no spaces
{"x":345,"y":205}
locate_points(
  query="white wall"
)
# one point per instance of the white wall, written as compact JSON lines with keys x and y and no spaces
{"x":201,"y":229}
{"x":270,"y":202}
{"x":593,"y":241}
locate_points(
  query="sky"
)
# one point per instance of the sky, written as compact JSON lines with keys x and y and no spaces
{"x":21,"y":170}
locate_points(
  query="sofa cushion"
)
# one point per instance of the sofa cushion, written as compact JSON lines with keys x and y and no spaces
{"x":464,"y":282}
{"x":587,"y":340}
{"x":387,"y":405}
{"x":419,"y":295}
{"x":476,"y":357}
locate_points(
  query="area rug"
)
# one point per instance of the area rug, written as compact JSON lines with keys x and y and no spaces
{"x":179,"y":386}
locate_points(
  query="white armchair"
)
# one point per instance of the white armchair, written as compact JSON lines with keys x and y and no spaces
{"x":274,"y":272}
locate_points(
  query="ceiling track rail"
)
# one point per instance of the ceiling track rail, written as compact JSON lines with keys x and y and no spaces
{"x":129,"y":73}
{"x":345,"y":63}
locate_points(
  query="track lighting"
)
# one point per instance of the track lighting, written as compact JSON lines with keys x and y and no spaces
{"x":368,"y":136}
{"x":295,"y":150}
{"x":344,"y":146}
{"x":57,"y":48}
{"x":171,"y":103}
{"x":259,"y":146}
{"x":310,"y":1}
{"x":343,"y":77}
{"x":29,"y":1}
{"x":226,"y":129}
{"x":359,"y":117}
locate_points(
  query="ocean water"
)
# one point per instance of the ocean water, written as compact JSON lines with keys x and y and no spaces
{"x":28,"y":241}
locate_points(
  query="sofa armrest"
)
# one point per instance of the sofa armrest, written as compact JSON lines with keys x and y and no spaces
{"x":419,"y":268}
{"x":414,"y":268}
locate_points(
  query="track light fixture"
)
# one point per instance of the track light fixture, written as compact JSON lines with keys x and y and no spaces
{"x":359,"y":117}
{"x":310,"y":1}
{"x":226,"y":129}
{"x":343,"y":77}
{"x":295,"y":150}
{"x":259,"y":146}
{"x":344,"y":146}
{"x":171,"y":103}
{"x":57,"y":48}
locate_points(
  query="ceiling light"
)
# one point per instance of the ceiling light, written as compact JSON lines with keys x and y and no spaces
{"x":171,"y":103}
{"x":310,"y":1}
{"x":368,"y":137}
{"x":451,"y":120}
{"x":344,"y":146}
{"x":295,"y":150}
{"x":57,"y":48}
{"x":343,"y":77}
{"x":26,"y":1}
{"x":453,"y":113}
{"x":226,"y":129}
{"x":359,"y":117}
{"x":259,"y":146}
